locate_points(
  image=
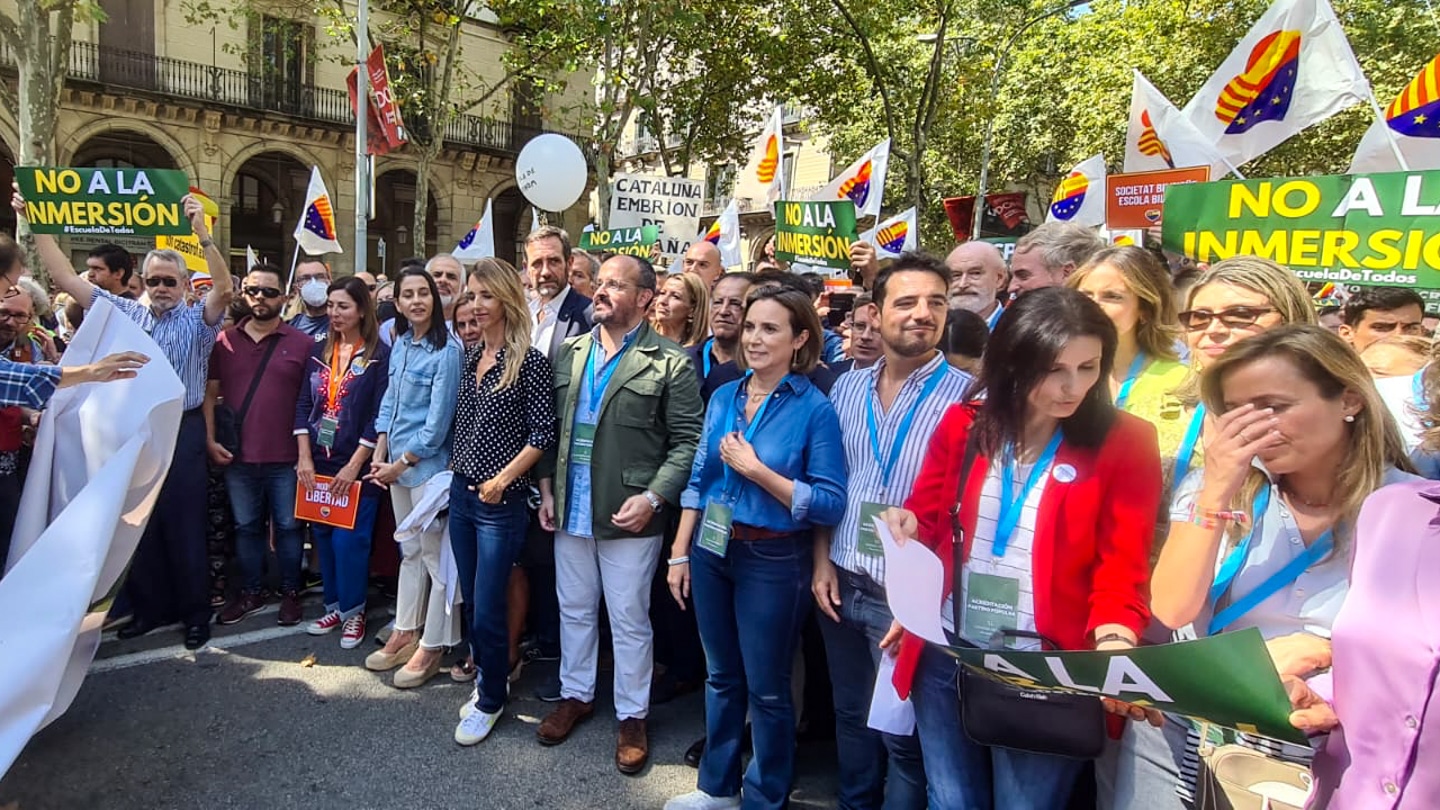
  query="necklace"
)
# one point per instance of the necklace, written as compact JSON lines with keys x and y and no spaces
{"x":759,"y":395}
{"x":1294,"y":496}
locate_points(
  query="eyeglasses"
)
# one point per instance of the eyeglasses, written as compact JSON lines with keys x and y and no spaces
{"x":13,"y":316}
{"x":1198,"y":320}
{"x":612,"y":284}
{"x":156,"y":281}
{"x":262,"y":292}
{"x":372,"y":287}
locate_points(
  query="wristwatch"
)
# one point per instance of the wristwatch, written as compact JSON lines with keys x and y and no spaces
{"x":404,"y":459}
{"x":655,"y":502}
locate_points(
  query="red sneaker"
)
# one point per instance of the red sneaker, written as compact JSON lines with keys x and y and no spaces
{"x":354,"y":632}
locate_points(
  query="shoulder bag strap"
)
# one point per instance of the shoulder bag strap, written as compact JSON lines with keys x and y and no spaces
{"x":255,"y":382}
{"x":957,"y":531}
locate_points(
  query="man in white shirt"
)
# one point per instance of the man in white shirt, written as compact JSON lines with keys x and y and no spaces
{"x":559,"y":311}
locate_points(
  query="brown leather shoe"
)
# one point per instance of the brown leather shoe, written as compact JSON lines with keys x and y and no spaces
{"x":632,"y":746}
{"x":556,"y":727}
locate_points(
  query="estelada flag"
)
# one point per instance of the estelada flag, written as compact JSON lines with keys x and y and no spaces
{"x":319,"y":506}
{"x":316,"y":229}
{"x":1292,"y":70}
{"x":862,"y":182}
{"x":1080,"y":195}
{"x":1411,"y":123}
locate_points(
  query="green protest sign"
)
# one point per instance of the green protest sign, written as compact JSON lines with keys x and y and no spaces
{"x":1228,"y":680}
{"x":1366,"y":229}
{"x":629,"y":241}
{"x":815,"y":232}
{"x":104,"y":202}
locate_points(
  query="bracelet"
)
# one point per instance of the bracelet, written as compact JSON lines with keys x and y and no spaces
{"x":207,"y":243}
{"x":1213,"y":519}
{"x":1113,"y":637}
{"x":678,"y":560}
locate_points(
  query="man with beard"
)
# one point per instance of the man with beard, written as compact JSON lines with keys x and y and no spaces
{"x":887,"y":415}
{"x":977,"y":275}
{"x":256,"y":369}
{"x":559,"y":311}
{"x":169,"y":576}
{"x":630,"y":419}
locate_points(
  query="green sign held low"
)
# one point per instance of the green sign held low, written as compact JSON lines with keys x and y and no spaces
{"x":1365,"y":229}
{"x":817,"y":233}
{"x":1228,"y":680}
{"x":104,"y":202}
{"x":627,"y":241}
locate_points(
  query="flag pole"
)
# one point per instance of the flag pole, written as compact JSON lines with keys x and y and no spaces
{"x":362,"y":162}
{"x":1389,"y":135}
{"x":293,"y":261}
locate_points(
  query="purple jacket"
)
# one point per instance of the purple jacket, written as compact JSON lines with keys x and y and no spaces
{"x":1386,"y":752}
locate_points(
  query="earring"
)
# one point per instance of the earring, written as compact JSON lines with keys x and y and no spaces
{"x":1349,"y":417}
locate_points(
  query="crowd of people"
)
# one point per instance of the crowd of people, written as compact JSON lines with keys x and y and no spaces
{"x":1103,"y":447}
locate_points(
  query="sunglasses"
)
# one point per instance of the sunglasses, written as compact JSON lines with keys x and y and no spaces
{"x":1196,"y":320}
{"x":156,"y":281}
{"x":261,"y":292}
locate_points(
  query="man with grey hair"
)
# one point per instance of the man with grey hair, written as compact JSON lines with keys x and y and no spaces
{"x":169,"y":577}
{"x":977,"y":275}
{"x":1046,"y":256}
{"x":583,"y":270}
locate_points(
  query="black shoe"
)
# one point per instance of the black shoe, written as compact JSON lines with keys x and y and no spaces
{"x":197,"y":636}
{"x":136,"y":628}
{"x":694,"y":752}
{"x":549,"y":691}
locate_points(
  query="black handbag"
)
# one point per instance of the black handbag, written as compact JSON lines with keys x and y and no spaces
{"x":999,"y":715}
{"x":228,"y":421}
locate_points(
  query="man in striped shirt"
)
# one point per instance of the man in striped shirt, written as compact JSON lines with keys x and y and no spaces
{"x":887,"y":415}
{"x":169,"y":577}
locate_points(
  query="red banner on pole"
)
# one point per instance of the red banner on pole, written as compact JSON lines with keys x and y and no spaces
{"x":1004,"y":214}
{"x":385,"y":130}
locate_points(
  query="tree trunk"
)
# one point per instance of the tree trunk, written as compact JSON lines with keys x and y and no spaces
{"x":602,"y":185}
{"x":422,"y":194}
{"x":41,"y":62}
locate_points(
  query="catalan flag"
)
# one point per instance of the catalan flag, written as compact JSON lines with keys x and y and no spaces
{"x":1080,"y":195}
{"x":1292,"y":70}
{"x":1411,"y":125}
{"x":1160,"y":137}
{"x":1150,"y":142}
{"x":862,"y":182}
{"x":767,"y":156}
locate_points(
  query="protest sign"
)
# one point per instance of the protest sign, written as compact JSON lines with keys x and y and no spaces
{"x":1137,"y":199}
{"x":629,"y":241}
{"x":817,"y":233}
{"x":671,"y":204}
{"x":1367,"y":229}
{"x":105,"y":202}
{"x":188,"y":246}
{"x":1005,"y":244}
{"x":319,"y":506}
{"x":1228,"y":680}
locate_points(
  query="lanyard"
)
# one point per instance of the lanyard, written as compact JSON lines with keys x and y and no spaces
{"x":1186,"y":453}
{"x":994,"y":317}
{"x":903,"y":431}
{"x":705,"y":360}
{"x":1230,"y":568}
{"x":600,"y":383}
{"x":1417,"y":390}
{"x":734,"y":414}
{"x":332,"y":395}
{"x":1136,"y":366}
{"x":1011,"y":506}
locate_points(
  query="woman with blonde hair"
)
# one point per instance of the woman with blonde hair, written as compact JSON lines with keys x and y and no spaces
{"x":504,"y":421}
{"x":681,"y":310}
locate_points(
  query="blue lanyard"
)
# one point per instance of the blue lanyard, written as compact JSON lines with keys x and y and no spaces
{"x":1230,"y":568}
{"x":1417,"y":389}
{"x":598,"y":385}
{"x":1011,"y":506}
{"x":705,"y":357}
{"x":1186,"y":453}
{"x":733,"y":415}
{"x":994,"y":317}
{"x":903,"y":431}
{"x":1136,"y":366}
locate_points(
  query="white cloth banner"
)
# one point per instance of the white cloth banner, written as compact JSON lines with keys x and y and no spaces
{"x":86,"y":503}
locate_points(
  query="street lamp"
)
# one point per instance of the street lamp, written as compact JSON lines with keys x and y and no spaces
{"x":1004,"y":51}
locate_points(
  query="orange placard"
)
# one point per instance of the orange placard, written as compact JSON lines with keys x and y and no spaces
{"x":1137,"y":199}
{"x":319,"y":506}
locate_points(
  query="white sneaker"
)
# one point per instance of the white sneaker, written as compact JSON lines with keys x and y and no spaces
{"x":469,"y":705}
{"x":700,"y":800}
{"x":476,"y":726}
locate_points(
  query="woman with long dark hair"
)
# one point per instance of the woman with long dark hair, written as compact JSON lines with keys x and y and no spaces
{"x":414,"y":446}
{"x":335,"y":432}
{"x":1056,"y":515}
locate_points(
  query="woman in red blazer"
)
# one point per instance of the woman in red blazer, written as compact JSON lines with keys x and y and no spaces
{"x":1062,"y":547}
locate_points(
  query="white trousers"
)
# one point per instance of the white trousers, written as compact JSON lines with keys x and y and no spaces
{"x":420,"y":591}
{"x":621,"y":570}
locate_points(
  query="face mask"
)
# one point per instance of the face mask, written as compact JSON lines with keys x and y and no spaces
{"x":386,"y":311}
{"x":313,"y":292}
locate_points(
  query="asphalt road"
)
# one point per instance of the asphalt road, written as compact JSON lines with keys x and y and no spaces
{"x":242,"y":724}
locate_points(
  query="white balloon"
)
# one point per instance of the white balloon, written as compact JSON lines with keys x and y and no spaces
{"x":551,"y":172}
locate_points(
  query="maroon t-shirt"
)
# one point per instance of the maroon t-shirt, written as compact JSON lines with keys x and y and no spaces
{"x":266,"y":437}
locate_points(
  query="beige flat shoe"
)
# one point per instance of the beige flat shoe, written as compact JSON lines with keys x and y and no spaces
{"x":408,"y":678}
{"x":381,"y":661}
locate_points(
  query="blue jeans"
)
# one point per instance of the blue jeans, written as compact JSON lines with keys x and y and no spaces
{"x":962,"y":774}
{"x":487,"y":539}
{"x":750,"y":606}
{"x":262,"y":495}
{"x":345,"y":557}
{"x":852,"y":649}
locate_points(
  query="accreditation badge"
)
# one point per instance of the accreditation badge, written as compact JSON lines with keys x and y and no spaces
{"x":582,"y":443}
{"x":992,"y":604}
{"x":325,"y":432}
{"x":715,"y":528}
{"x":867,"y":540}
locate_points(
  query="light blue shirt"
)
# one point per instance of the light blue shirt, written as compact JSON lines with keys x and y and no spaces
{"x":418,"y":410}
{"x":182,"y":335}
{"x":578,"y":518}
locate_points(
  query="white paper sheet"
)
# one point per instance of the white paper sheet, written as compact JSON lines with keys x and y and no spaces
{"x":888,"y":713}
{"x":915,"y":581}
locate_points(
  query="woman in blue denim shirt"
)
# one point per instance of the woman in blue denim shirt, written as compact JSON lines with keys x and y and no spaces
{"x":770,"y":467}
{"x":335,"y":432}
{"x":414,"y":428}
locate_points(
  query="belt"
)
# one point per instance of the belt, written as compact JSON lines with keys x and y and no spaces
{"x":749,"y":534}
{"x":863,"y":582}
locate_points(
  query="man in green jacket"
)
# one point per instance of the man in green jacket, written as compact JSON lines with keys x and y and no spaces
{"x":630,"y":418}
